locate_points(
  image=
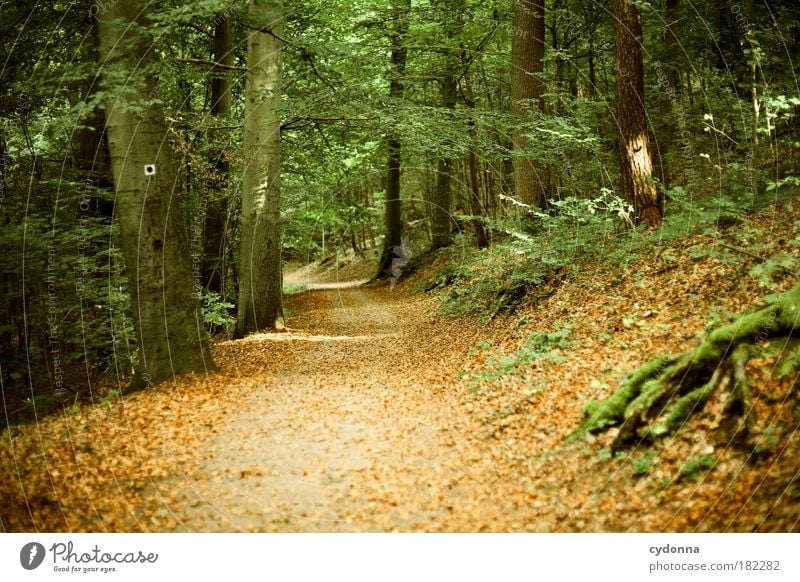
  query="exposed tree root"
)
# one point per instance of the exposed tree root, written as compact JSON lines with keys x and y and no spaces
{"x":660,"y":396}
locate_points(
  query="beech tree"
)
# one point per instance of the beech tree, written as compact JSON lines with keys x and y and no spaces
{"x":636,"y":163}
{"x":441,"y":220}
{"x":527,"y":64}
{"x":260,"y":276}
{"x":393,"y":209}
{"x":215,"y":237}
{"x":169,"y":329}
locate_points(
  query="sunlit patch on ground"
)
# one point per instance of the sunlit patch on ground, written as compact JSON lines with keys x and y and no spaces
{"x":308,"y":337}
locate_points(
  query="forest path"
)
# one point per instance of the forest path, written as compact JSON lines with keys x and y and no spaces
{"x":354,"y":420}
{"x":347,"y":434}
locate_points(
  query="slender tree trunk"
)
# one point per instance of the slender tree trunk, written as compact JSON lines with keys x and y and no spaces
{"x":441,"y":224}
{"x":260,"y":275}
{"x":441,"y":219}
{"x":527,"y":64}
{"x":215,"y":239}
{"x":753,"y":78}
{"x":671,"y":40}
{"x":154,"y":240}
{"x":393,"y":216}
{"x":636,"y":163}
{"x":592,"y":67}
{"x":476,"y":208}
{"x":731,"y":58}
{"x":670,"y":91}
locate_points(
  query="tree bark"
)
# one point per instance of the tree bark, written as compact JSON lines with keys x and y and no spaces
{"x":393,"y":208}
{"x":441,"y":224}
{"x":441,"y":219}
{"x":476,"y":208}
{"x":636,"y":163}
{"x":527,"y":64}
{"x":215,"y":240}
{"x":260,"y":274}
{"x":155,"y":245}
{"x":670,"y":90}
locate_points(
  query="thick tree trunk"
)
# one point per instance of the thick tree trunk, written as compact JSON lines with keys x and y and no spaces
{"x":215,"y":240}
{"x":393,"y":209}
{"x":260,"y":275}
{"x":636,"y":163}
{"x":527,"y":64}
{"x":154,"y":241}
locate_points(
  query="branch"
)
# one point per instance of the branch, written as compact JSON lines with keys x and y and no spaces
{"x":310,"y":59}
{"x":268,"y":30}
{"x":305,"y":53}
{"x":758,"y":258}
{"x":317,"y":120}
{"x":322,"y":133}
{"x":195,"y":27}
{"x":214,"y":65}
{"x":470,"y":55}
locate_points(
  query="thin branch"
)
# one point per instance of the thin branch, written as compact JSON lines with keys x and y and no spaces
{"x":471,"y":54}
{"x":195,"y":27}
{"x":214,"y":65}
{"x":267,"y":30}
{"x":760,"y":259}
{"x":305,"y":53}
{"x":317,"y":120}
{"x":322,"y":133}
{"x":307,"y":57}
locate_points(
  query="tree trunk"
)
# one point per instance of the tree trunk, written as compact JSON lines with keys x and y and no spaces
{"x":393,"y":216}
{"x":636,"y":163}
{"x":670,"y":89}
{"x":476,"y":208}
{"x":442,"y":195}
{"x":527,"y":64}
{"x":260,"y":275}
{"x":154,"y":239}
{"x":731,"y":58}
{"x":441,"y":220}
{"x":215,"y":239}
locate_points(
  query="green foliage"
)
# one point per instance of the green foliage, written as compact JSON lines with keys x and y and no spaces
{"x":292,"y":288}
{"x":787,"y":180}
{"x":788,"y":354}
{"x":693,"y":468}
{"x":336,"y":116}
{"x":216,"y":311}
{"x":769,"y":439}
{"x":643,"y":465}
{"x":541,"y":346}
{"x":772,"y":268}
{"x":110,"y":396}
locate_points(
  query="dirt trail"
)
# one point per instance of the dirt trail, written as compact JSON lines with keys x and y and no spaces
{"x":297,"y":455}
